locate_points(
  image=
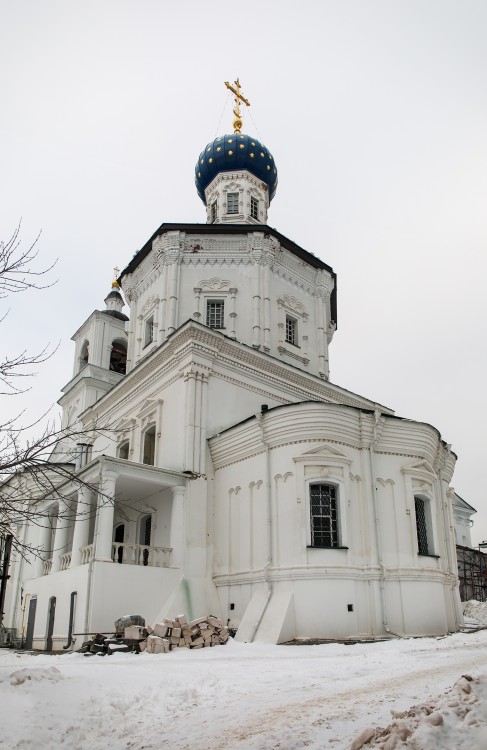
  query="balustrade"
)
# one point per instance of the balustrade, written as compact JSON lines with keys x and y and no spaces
{"x":46,"y":566}
{"x":65,"y":560}
{"x":86,"y":554}
{"x":141,"y":554}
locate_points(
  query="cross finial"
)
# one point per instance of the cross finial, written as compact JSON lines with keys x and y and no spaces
{"x":116,"y":272}
{"x":235,"y":89}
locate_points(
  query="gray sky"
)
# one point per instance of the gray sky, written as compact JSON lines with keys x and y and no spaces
{"x":376,"y":114}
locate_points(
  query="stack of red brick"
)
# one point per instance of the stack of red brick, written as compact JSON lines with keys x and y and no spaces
{"x":179,"y":633}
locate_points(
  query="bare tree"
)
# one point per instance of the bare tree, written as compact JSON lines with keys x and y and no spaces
{"x":29,"y":473}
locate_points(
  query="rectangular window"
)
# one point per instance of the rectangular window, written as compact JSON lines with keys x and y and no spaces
{"x":324,"y":515}
{"x":213,"y":212}
{"x":149,"y":331}
{"x":232,"y":203}
{"x":254,"y":208}
{"x":83,"y":455}
{"x":149,"y":446}
{"x":214,"y":314}
{"x":291,"y":330}
{"x":421,"y":526}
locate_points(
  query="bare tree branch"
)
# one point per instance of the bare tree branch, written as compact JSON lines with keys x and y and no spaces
{"x":31,"y":480}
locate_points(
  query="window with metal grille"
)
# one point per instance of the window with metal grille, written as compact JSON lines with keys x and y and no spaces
{"x":291,"y":330}
{"x":254,"y":208}
{"x":149,"y":331}
{"x":421,"y":526}
{"x":232,"y":203}
{"x":214,"y":313}
{"x":324,"y":515}
{"x":213,"y":212}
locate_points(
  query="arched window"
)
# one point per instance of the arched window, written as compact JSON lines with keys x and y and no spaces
{"x":84,"y":355}
{"x":118,"y":540}
{"x":145,"y":534}
{"x":149,"y":446}
{"x":118,"y":356}
{"x":123,"y":451}
{"x":424,"y":525}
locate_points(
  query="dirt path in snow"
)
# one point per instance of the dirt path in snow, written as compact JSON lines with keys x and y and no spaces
{"x":334,"y":718}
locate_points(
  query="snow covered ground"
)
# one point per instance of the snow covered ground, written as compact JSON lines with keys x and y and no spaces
{"x":251,"y":697}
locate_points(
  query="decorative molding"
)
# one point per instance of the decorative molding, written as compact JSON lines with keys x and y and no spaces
{"x":151,"y":301}
{"x":214,"y":284}
{"x":293,"y":304}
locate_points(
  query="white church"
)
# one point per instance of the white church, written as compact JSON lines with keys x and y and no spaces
{"x":234,"y":477}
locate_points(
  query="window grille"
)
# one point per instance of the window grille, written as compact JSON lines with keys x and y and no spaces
{"x":213,"y":212}
{"x":254,"y":208}
{"x":232,"y":203}
{"x":324,"y":515}
{"x":214,"y":314}
{"x":421,"y":528}
{"x":149,"y":331}
{"x":290,"y":330}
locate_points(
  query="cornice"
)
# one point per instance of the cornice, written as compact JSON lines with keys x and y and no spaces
{"x":223,"y":352}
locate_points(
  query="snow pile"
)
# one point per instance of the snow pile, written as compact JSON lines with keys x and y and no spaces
{"x":457,"y":720}
{"x":250,"y":696}
{"x":53,"y":674}
{"x":476,"y":611}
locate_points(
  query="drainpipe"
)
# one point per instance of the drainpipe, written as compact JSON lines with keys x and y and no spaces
{"x":383,"y":569}
{"x":446,"y":455}
{"x":260,"y":424}
{"x":22,"y":629}
{"x":71,"y":618}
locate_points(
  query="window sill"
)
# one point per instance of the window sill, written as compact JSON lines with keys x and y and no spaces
{"x":423,"y":554}
{"x":316,"y":546}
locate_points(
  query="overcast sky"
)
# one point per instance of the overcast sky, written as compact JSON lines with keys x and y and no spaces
{"x":376,"y":114}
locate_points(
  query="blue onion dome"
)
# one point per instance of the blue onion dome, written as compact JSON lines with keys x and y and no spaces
{"x":233,"y":152}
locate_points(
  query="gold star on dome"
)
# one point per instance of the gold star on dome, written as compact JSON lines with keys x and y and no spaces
{"x":230,"y":153}
{"x":261,"y":153}
{"x":242,"y":145}
{"x":230,"y":140}
{"x":268,"y":168}
{"x":210,"y":160}
{"x":218,"y":148}
{"x":251,"y":156}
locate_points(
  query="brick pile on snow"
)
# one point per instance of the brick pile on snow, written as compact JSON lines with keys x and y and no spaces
{"x":179,"y":633}
{"x":165,"y":636}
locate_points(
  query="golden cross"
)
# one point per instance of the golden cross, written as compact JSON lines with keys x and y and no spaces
{"x":116,"y":272}
{"x":237,"y":123}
